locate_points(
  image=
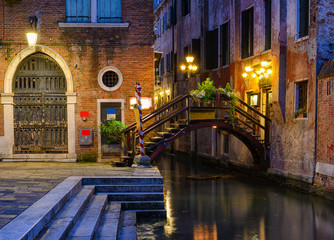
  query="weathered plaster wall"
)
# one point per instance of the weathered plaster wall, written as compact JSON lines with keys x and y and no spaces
{"x":293,"y":140}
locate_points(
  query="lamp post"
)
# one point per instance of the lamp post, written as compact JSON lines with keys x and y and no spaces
{"x":189,"y":67}
{"x":32,"y":33}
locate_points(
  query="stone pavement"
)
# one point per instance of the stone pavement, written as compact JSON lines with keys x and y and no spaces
{"x":23,"y":183}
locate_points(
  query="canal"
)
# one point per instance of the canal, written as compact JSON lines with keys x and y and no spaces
{"x":206,"y":203}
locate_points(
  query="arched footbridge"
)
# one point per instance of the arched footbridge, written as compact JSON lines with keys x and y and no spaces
{"x":181,"y":115}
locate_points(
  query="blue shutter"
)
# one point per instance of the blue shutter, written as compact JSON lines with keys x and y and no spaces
{"x":109,"y":11}
{"x":165,"y":21}
{"x":78,"y":11}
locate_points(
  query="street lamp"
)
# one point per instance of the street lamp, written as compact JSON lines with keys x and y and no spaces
{"x":189,"y":67}
{"x":32,"y":33}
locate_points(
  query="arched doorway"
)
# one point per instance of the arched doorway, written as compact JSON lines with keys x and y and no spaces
{"x":40,"y":106}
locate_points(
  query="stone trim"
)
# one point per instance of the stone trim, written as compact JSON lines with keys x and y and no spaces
{"x":115,"y":70}
{"x":7,"y":141}
{"x":93,"y":25}
{"x":99,"y":143}
{"x":325,"y":169}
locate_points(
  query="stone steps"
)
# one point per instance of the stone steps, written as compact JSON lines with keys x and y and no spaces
{"x":90,"y":208}
{"x":60,"y":227}
{"x":128,"y":188}
{"x":89,"y":222}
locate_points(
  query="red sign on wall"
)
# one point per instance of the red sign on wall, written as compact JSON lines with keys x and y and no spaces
{"x":85,"y":132}
{"x":84,"y":114}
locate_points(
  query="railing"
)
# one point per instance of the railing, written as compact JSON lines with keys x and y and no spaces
{"x":166,"y":113}
{"x":182,"y":107}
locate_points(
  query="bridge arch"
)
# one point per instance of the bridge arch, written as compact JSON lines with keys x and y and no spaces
{"x":257,"y":150}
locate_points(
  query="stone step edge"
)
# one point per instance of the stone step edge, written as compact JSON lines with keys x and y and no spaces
{"x":69,"y":215}
{"x":145,"y":179}
{"x":29,"y":223}
{"x":88,"y":225}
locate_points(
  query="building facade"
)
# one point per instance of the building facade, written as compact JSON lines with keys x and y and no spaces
{"x":82,"y":71}
{"x":271,"y":53}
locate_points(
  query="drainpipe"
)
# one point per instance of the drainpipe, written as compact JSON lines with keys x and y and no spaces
{"x":315,"y":130}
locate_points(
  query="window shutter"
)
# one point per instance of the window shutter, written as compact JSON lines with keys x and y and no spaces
{"x":267,"y":11}
{"x":247,"y":33}
{"x":165,"y":21}
{"x":196,"y":51}
{"x":78,"y":11}
{"x":212,"y":49}
{"x":225,"y":44}
{"x":303,"y":18}
{"x":109,"y":11}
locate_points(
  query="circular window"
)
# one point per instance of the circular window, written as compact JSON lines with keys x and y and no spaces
{"x":110,"y":78}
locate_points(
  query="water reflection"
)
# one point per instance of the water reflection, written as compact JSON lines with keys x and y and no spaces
{"x":234,"y":207}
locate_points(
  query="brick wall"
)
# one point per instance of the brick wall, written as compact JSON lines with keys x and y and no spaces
{"x":86,"y":51}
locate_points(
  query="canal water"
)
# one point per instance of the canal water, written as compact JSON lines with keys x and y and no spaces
{"x":206,"y":203}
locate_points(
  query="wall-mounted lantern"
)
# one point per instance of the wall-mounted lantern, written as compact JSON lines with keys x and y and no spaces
{"x":32,"y":33}
{"x":261,"y":72}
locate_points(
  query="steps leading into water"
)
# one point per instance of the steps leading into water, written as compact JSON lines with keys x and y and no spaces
{"x":90,"y":208}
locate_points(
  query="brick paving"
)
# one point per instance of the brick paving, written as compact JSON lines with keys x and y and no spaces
{"x":23,"y":183}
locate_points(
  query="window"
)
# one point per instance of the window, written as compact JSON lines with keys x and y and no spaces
{"x":162,"y":66}
{"x":212,"y":49}
{"x":185,"y":7}
{"x":301,"y":96}
{"x":247,"y":38}
{"x":196,"y":51}
{"x":267,"y":24}
{"x":225,"y":44}
{"x":165,"y":21}
{"x":302,"y":18}
{"x":254,"y":99}
{"x":110,"y":78}
{"x":95,"y":11}
{"x":168,"y":62}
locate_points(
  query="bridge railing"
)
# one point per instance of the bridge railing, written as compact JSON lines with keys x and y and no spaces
{"x":254,"y":120}
{"x":182,"y":108}
{"x":169,"y":112}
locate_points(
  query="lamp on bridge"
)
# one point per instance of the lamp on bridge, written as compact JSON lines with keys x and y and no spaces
{"x":32,"y":33}
{"x":190,"y":67}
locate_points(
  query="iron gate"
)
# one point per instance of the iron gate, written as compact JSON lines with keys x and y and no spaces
{"x":40,"y":110}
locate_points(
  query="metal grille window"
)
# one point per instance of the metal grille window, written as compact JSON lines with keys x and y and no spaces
{"x":110,"y":78}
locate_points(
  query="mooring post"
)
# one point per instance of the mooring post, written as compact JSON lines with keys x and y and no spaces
{"x":140,"y":160}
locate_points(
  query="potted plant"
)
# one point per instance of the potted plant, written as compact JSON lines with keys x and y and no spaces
{"x":112,"y":137}
{"x":301,"y":113}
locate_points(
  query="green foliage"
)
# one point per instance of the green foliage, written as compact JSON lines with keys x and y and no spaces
{"x":207,"y":92}
{"x":112,"y":131}
{"x":301,"y":111}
